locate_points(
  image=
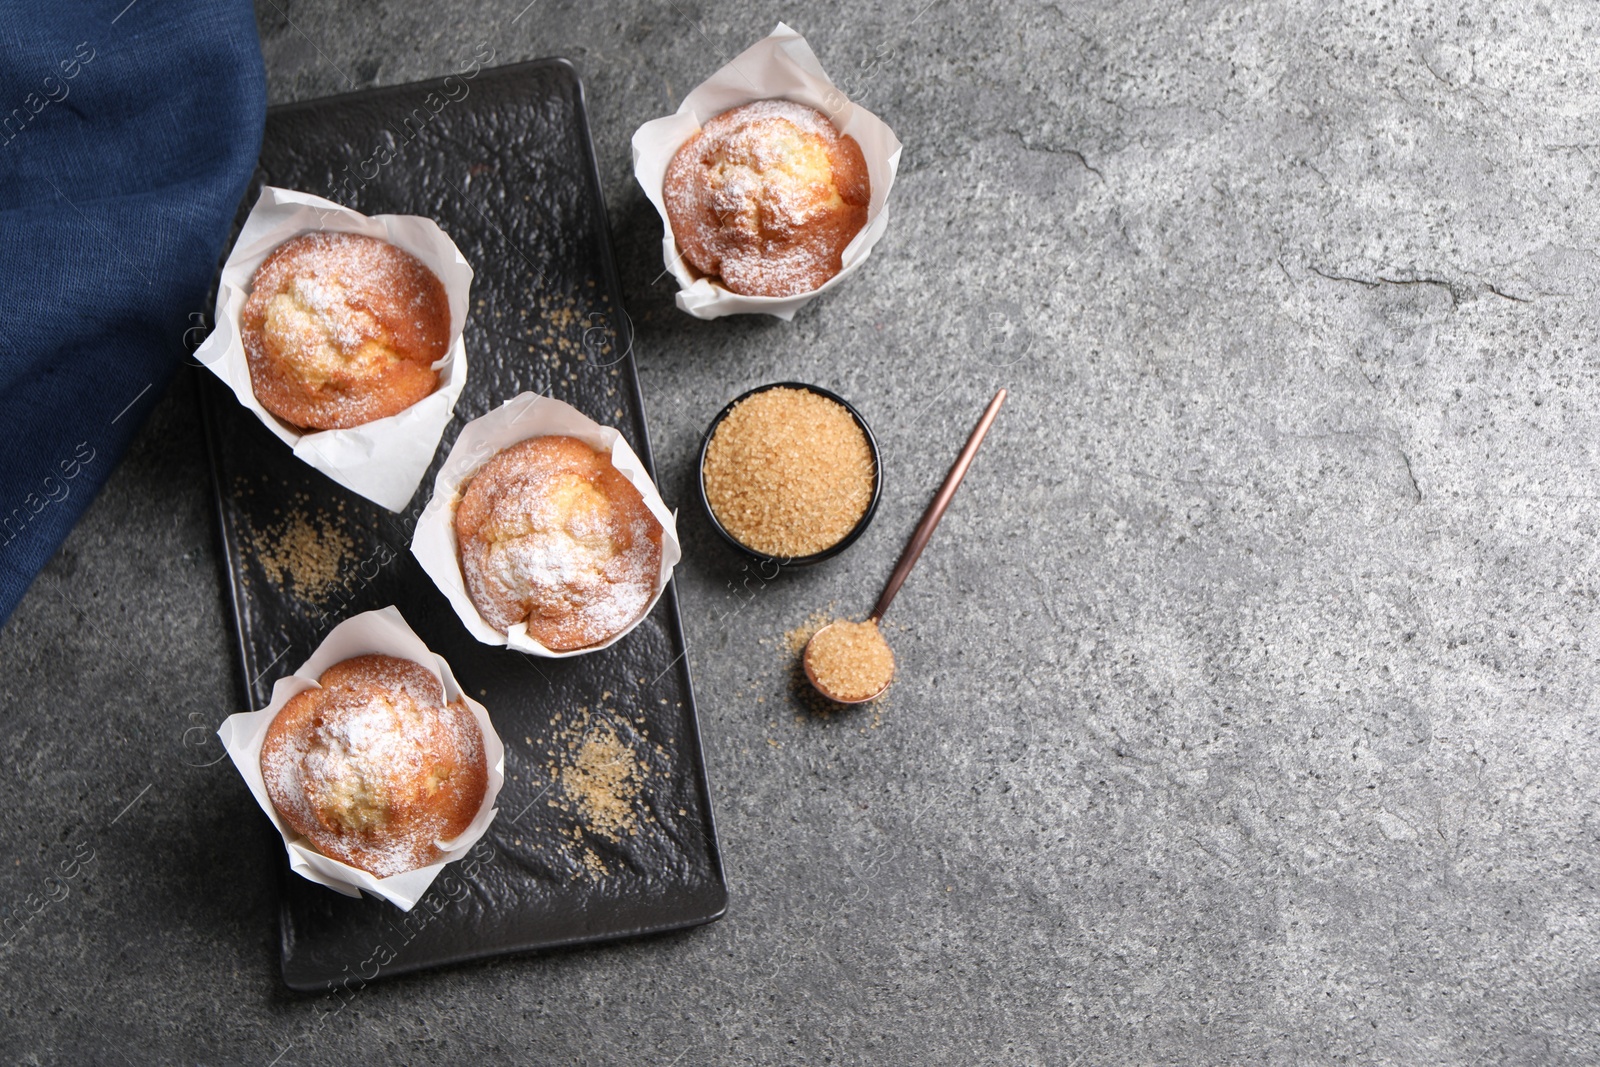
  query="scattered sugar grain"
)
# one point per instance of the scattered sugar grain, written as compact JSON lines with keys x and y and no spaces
{"x":303,"y":554}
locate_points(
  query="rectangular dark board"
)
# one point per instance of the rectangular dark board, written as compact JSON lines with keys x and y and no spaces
{"x":502,"y":160}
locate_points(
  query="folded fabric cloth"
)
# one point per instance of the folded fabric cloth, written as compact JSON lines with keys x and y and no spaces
{"x":128,"y":133}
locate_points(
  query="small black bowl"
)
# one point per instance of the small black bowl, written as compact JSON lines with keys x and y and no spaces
{"x":844,"y":542}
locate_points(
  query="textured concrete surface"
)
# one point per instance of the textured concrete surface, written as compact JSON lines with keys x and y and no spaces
{"x":1246,"y":712}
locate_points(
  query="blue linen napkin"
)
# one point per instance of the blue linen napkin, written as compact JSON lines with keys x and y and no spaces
{"x":128,"y":133}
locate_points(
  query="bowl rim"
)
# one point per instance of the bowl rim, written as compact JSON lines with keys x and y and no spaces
{"x":832,"y":550}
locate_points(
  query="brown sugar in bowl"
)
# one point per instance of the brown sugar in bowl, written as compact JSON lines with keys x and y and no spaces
{"x":770,"y":553}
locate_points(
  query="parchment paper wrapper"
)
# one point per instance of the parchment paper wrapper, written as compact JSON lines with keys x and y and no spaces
{"x":522,"y":417}
{"x":780,"y":66}
{"x":383,"y":631}
{"x":383,"y":460}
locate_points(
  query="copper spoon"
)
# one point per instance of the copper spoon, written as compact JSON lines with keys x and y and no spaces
{"x":914,"y":547}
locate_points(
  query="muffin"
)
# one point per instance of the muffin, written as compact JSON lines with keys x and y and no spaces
{"x":550,"y":534}
{"x":766,"y":197}
{"x":341,"y":329}
{"x":374,"y":768}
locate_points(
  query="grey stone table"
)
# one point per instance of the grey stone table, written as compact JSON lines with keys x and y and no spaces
{"x":1247,"y":709}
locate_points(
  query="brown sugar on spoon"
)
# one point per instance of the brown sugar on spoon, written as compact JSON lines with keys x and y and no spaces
{"x":766,"y":197}
{"x":550,"y":534}
{"x":850,"y":660}
{"x":374,"y":767}
{"x":342,"y":329}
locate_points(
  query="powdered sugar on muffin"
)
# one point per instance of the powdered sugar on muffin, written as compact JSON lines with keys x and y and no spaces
{"x":341,"y":329}
{"x":550,"y":534}
{"x":374,"y":768}
{"x":766,"y":197}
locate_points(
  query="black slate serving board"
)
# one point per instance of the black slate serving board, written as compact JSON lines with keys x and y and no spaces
{"x":502,"y":160}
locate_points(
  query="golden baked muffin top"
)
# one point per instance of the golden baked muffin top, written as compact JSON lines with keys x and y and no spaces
{"x":551,"y":534}
{"x":374,"y":767}
{"x":766,"y":197}
{"x":341,"y":329}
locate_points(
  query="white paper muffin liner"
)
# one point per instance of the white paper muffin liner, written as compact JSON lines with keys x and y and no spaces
{"x":780,"y":66}
{"x":525,"y":416}
{"x":383,"y":460}
{"x":383,"y":631}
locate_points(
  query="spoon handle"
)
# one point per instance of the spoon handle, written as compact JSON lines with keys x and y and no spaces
{"x":936,"y":510}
